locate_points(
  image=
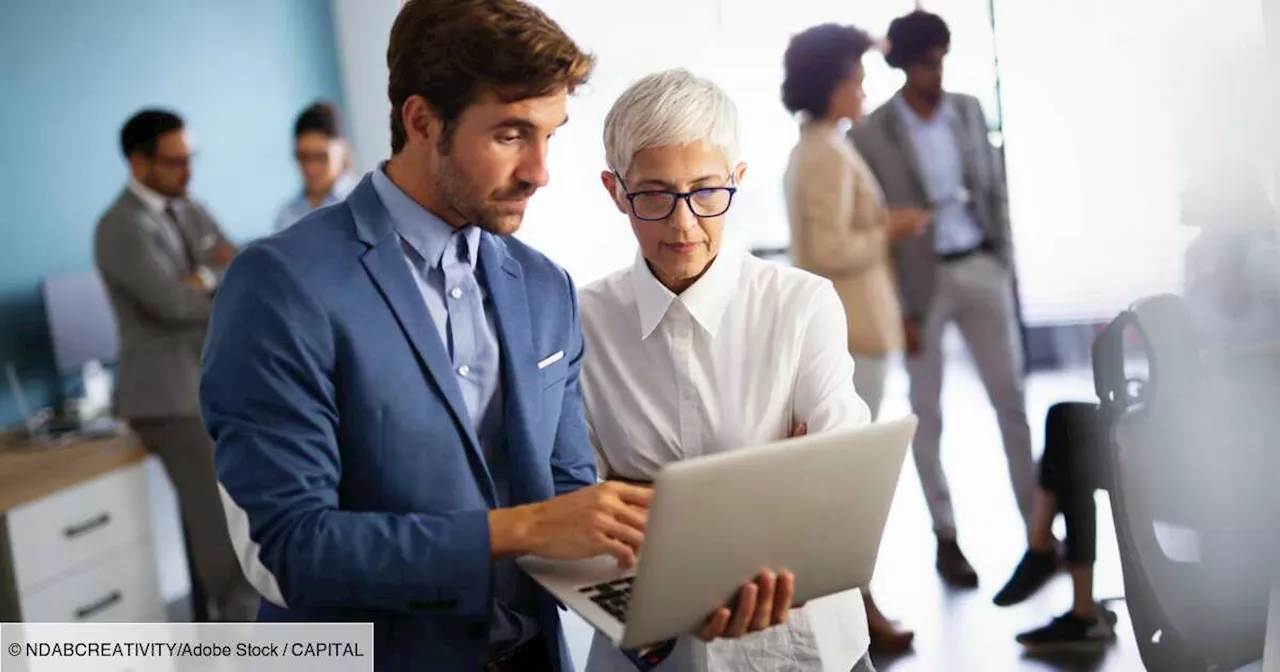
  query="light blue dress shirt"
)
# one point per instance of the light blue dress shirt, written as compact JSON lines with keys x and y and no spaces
{"x":444,"y":263}
{"x":942,"y":169}
{"x":300,"y":205}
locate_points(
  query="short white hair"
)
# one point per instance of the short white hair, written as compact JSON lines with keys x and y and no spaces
{"x":669,"y":108}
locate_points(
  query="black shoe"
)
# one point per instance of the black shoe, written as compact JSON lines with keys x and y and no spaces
{"x":1071,"y":633}
{"x":954,"y":567}
{"x":1032,"y":573}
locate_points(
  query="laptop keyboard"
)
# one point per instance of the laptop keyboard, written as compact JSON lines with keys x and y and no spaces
{"x":612,"y":596}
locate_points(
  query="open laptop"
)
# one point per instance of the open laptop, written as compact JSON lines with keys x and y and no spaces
{"x":815,"y":505}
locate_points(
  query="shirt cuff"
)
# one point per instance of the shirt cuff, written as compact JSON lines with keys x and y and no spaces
{"x":208,"y":278}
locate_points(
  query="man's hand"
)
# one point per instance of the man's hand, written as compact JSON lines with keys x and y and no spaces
{"x":608,"y":518}
{"x":907,"y":222}
{"x":222,"y":254}
{"x":911,"y":332}
{"x":196,"y":282}
{"x":762,"y":604}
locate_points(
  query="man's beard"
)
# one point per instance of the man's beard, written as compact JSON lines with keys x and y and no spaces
{"x":179,"y":191}
{"x":931,"y":95}
{"x":461,"y":196}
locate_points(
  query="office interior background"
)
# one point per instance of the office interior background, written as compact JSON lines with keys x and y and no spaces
{"x":1100,"y":109}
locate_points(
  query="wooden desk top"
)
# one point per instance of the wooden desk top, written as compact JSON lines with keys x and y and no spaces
{"x":30,"y":473}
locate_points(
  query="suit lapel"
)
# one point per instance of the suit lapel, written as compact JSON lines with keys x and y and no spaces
{"x":161,"y":228}
{"x":964,"y":144}
{"x":505,"y":283}
{"x":386,"y":266}
{"x":899,"y":136}
{"x":188,"y":233}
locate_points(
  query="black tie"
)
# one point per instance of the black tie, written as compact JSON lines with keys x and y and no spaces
{"x":188,"y":251}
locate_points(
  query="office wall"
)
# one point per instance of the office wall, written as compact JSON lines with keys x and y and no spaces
{"x":1111,"y":107}
{"x":363,"y":28}
{"x":740,"y":46}
{"x":72,"y":71}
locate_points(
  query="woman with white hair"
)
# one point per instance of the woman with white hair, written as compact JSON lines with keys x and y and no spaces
{"x":699,"y":348}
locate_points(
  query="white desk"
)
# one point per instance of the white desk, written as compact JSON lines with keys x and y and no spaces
{"x":76,"y":541}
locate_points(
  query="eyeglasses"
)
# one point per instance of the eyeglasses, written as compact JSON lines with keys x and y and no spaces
{"x":174,"y":162}
{"x":311,"y":157}
{"x":657,"y":205}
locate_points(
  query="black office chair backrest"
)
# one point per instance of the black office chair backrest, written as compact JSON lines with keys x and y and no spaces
{"x":1189,"y":604}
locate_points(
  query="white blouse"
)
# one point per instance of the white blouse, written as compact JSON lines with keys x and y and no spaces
{"x":741,"y":357}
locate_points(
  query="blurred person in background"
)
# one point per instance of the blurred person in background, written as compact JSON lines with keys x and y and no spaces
{"x":323,"y":159}
{"x":1072,"y":468}
{"x":928,"y":149}
{"x":161,"y":257}
{"x":1232,"y":267}
{"x":840,"y":227}
{"x":698,"y":348}
{"x":1232,"y":293}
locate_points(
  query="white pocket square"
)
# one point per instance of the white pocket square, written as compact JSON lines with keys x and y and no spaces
{"x":551,"y":360}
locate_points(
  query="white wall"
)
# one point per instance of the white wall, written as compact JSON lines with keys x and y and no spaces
{"x":739,"y":45}
{"x":1271,"y":15}
{"x":1108,"y":106}
{"x":1104,"y":102}
{"x":362,"y":28}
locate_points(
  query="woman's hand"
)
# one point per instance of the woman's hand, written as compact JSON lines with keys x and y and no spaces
{"x":761,"y":604}
{"x":907,"y":222}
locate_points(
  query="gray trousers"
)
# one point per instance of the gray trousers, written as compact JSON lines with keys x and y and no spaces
{"x":864,"y":665}
{"x":869,"y":373}
{"x":185,"y":449}
{"x":975,"y":293}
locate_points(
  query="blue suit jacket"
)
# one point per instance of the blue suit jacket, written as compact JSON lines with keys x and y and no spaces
{"x":354,"y":483}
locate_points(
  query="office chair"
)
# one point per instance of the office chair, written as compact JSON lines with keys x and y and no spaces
{"x":1203,"y":606}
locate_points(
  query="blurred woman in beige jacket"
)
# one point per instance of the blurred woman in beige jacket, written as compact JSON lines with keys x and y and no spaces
{"x":840,"y":227}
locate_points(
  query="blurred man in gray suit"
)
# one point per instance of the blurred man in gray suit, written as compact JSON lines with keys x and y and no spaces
{"x":928,"y":149}
{"x":161,"y":256}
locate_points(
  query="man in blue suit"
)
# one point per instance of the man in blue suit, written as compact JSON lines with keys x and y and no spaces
{"x":393,"y":382}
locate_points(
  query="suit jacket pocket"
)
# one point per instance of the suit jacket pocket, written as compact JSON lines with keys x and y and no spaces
{"x":554,"y":373}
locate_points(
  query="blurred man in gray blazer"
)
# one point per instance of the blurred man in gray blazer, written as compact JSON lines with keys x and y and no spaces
{"x":928,"y":149}
{"x":161,"y":257}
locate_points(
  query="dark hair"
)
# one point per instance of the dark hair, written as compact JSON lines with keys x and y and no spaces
{"x":319,"y":117}
{"x":815,"y":62}
{"x":140,"y":133}
{"x":914,"y":35}
{"x":451,"y":51}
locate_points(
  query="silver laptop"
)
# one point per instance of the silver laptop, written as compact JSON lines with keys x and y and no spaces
{"x":815,"y":505}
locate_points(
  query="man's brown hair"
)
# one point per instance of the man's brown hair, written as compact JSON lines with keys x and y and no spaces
{"x":452,"y":51}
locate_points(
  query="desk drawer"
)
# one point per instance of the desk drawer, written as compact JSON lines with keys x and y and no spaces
{"x":119,"y":588}
{"x":73,"y":527}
